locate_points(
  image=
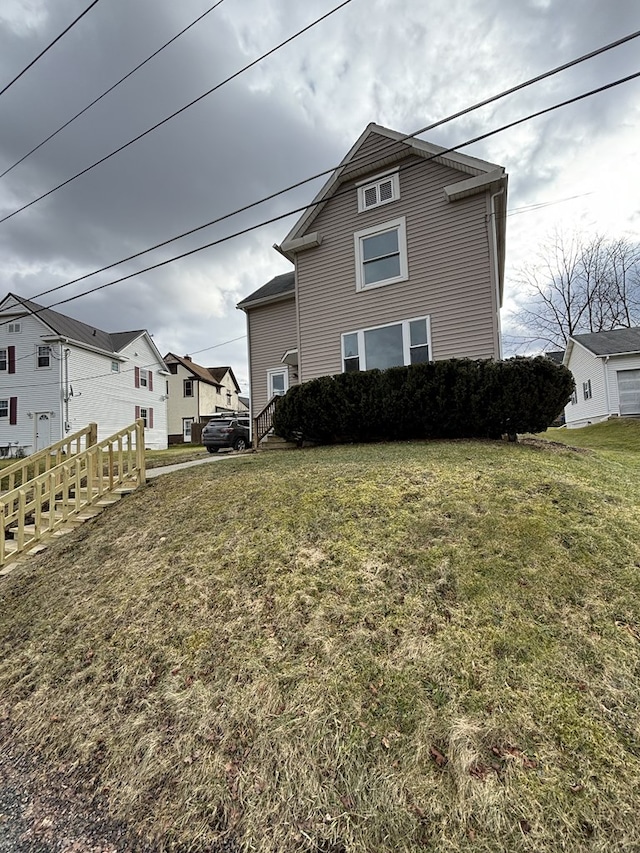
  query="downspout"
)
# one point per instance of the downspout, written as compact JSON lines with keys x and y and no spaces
{"x":67,"y":425}
{"x":606,"y":384}
{"x":496,"y":269}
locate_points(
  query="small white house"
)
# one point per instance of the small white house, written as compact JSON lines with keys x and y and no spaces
{"x":58,"y":374}
{"x":606,"y":370}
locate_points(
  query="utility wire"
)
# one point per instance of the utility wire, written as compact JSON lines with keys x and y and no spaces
{"x":110,"y":89}
{"x":355,"y":160}
{"x":181,"y":110}
{"x":281,"y":216}
{"x":48,"y":47}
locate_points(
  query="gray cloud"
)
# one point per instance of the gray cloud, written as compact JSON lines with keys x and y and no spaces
{"x":404,"y":64}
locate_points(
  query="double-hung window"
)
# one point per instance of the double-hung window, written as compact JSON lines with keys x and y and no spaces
{"x":393,"y":345}
{"x":381,"y":254}
{"x":43,"y":357}
{"x":187,"y":385}
{"x":4,"y":408}
{"x":4,"y":360}
{"x":586,"y":389}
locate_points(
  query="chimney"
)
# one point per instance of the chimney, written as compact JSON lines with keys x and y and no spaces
{"x":187,"y":358}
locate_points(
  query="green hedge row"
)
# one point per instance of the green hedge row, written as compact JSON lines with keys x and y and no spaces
{"x":458,"y":398}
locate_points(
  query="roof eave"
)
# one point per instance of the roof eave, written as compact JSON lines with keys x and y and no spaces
{"x":266,"y":300}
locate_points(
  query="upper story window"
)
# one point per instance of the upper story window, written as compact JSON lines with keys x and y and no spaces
{"x":381,"y":254}
{"x":381,"y":191}
{"x":188,"y":387}
{"x":586,"y":389}
{"x":144,"y":378}
{"x":14,"y":328}
{"x":4,"y":359}
{"x":43,"y":356}
{"x":115,"y":367}
{"x":393,"y":345}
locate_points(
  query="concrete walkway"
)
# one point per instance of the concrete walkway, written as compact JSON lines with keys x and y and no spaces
{"x":212,"y":457}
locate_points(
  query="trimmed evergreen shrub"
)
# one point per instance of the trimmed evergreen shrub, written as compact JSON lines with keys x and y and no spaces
{"x":457,"y":398}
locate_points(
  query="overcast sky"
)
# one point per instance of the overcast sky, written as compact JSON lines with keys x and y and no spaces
{"x":401,"y":63}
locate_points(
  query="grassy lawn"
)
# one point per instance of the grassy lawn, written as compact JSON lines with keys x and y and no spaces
{"x":622,"y":434}
{"x":394,"y":647}
{"x":175,"y":454}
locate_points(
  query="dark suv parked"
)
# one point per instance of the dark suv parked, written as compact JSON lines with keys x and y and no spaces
{"x":226,"y":432}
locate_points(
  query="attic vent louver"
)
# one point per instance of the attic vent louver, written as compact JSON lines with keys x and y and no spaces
{"x":379,"y":192}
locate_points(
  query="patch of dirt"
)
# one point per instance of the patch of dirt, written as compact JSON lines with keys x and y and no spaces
{"x":552,"y":446}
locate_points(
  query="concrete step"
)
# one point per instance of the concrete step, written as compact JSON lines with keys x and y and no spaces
{"x":274,"y":442}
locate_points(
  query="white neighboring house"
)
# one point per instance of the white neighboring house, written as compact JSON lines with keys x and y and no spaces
{"x":606,"y":370}
{"x":196,"y":393}
{"x":57,"y":375}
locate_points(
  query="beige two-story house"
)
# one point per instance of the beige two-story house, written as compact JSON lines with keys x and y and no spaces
{"x":399,"y":259}
{"x":195,"y":394}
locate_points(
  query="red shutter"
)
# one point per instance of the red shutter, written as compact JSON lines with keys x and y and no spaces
{"x":137,"y":409}
{"x":12,"y":359}
{"x":136,"y":379}
{"x":150,"y":418}
{"x":150,"y":375}
{"x":13,"y":411}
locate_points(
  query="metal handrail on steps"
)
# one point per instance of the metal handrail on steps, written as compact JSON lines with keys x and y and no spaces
{"x":263,"y":422}
{"x":43,"y":460}
{"x":55,"y":496}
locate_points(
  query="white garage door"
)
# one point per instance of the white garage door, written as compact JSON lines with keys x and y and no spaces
{"x":629,"y":391}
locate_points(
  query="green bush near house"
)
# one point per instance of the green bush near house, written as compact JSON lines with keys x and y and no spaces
{"x":456,"y":398}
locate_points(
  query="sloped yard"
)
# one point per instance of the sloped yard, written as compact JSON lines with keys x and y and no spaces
{"x":371,"y":648}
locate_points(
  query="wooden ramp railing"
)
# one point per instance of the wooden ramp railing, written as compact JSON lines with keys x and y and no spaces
{"x":52,"y":498}
{"x":37,"y":463}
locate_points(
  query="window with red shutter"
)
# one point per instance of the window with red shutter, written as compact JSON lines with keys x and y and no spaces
{"x":150,"y":372}
{"x":137,"y":412}
{"x":13,"y":410}
{"x":136,"y":379}
{"x":150,"y":418}
{"x":12,"y":359}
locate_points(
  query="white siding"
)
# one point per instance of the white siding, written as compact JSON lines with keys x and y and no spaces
{"x":587,"y":367}
{"x":616,"y":363}
{"x":36,"y":389}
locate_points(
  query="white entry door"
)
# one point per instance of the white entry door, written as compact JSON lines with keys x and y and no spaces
{"x":43,"y":429}
{"x":186,"y":430}
{"x":629,"y":391}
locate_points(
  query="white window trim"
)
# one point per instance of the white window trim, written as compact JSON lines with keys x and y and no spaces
{"x":5,"y":359}
{"x":144,"y":378}
{"x":14,"y":328}
{"x":406,"y":340}
{"x":401,"y":225}
{"x":280,"y":371}
{"x":3,"y":413}
{"x":44,"y":366}
{"x":363,"y":186}
{"x":145,"y":416}
{"x":115,"y":367}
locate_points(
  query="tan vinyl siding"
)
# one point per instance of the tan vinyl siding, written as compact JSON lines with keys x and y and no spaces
{"x":449,"y":267}
{"x":272,"y":331}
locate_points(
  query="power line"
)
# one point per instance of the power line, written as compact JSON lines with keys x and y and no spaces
{"x":325,"y":172}
{"x":111,"y":88}
{"x":277,"y":218}
{"x":181,"y":110}
{"x":48,"y":47}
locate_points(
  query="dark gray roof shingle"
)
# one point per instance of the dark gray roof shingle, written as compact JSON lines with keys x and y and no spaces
{"x":75,"y":330}
{"x":278,"y":286}
{"x":611,"y":343}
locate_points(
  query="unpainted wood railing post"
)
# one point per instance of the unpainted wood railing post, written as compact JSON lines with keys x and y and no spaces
{"x":142,"y":474}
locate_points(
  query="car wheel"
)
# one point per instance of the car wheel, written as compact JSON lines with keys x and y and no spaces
{"x":212,"y":449}
{"x":240,"y":444}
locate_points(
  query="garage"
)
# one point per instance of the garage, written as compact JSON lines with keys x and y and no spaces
{"x":629,"y":391}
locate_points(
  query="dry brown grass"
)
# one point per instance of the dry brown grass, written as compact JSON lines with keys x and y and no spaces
{"x":382,"y":648}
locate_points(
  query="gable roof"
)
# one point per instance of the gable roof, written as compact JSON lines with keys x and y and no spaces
{"x":74,"y":330}
{"x":210,"y":375}
{"x":471,"y":166}
{"x":555,"y":355}
{"x":280,"y":287}
{"x":616,"y":342}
